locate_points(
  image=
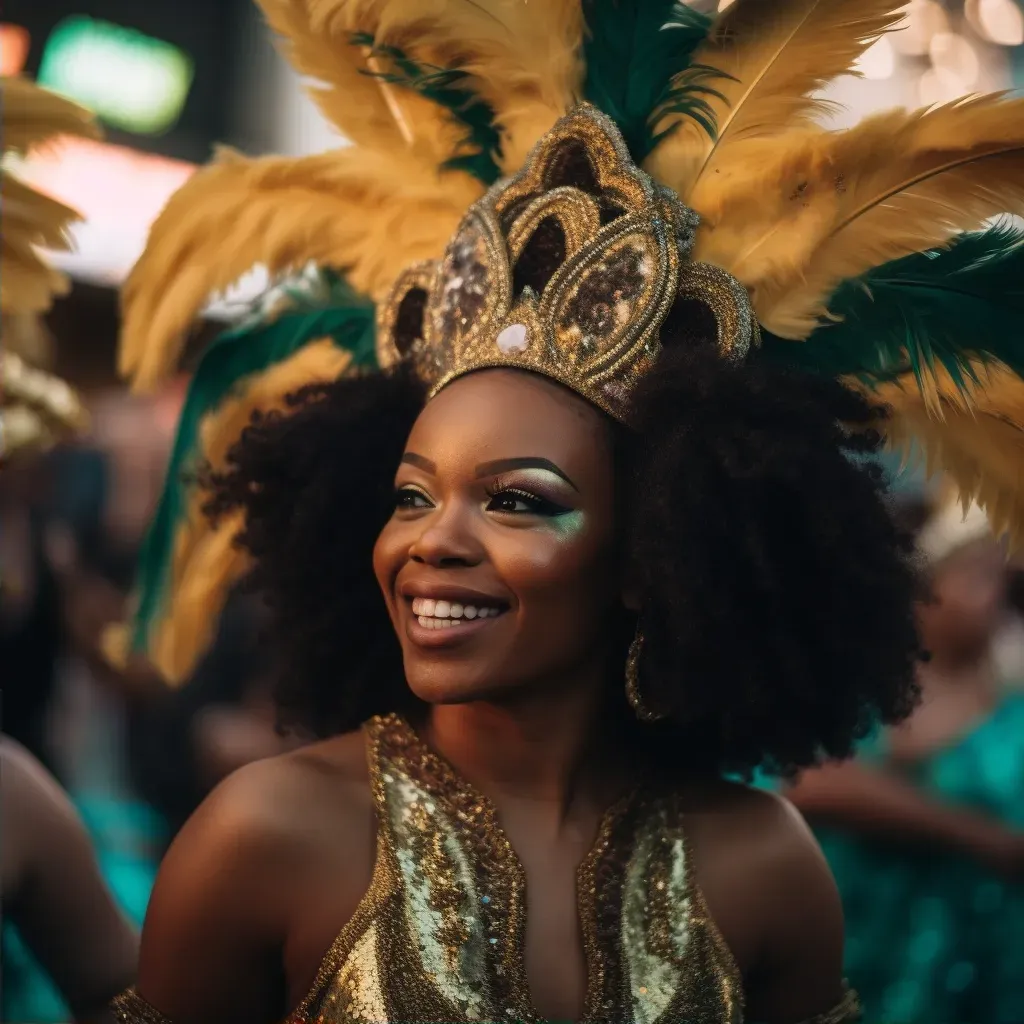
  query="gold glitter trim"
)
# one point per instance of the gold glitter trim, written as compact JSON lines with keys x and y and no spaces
{"x":738,"y":331}
{"x":389,"y":346}
{"x":500,"y":875}
{"x":595,"y":326}
{"x":130,"y":1008}
{"x":369,"y":908}
{"x":443,"y":936}
{"x":576,"y":212}
{"x":439,"y":935}
{"x":721,"y":965}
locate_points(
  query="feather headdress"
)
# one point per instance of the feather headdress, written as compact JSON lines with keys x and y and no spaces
{"x":37,"y":408}
{"x":866,"y":254}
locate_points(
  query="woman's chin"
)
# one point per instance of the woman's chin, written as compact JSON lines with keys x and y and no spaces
{"x":440,"y":688}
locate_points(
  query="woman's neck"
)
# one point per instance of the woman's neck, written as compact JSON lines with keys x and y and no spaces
{"x":557,"y":752}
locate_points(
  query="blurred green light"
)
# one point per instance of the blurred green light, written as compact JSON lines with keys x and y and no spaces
{"x":128,"y":79}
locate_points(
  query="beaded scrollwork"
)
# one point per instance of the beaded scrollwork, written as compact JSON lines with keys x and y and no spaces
{"x":569,"y":269}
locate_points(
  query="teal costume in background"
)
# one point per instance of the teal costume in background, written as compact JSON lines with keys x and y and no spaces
{"x":932,"y":938}
{"x":125,"y":836}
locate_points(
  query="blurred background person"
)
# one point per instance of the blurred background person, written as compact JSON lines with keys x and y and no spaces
{"x":30,"y":610}
{"x":53,"y":896}
{"x":55,"y":903}
{"x":186,"y":740}
{"x":925,"y":832}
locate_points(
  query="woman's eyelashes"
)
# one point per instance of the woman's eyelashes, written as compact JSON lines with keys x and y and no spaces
{"x":500,"y":497}
{"x":517,"y":500}
{"x":409,"y":499}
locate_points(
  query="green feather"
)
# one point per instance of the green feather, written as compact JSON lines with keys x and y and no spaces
{"x":251,"y":349}
{"x":639,"y":67}
{"x":940,"y":308}
{"x":447,"y":87}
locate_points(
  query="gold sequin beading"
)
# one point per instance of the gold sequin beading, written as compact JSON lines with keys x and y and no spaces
{"x":570,"y":269}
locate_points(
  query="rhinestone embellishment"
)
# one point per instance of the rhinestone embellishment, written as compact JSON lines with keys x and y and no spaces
{"x":514,"y":338}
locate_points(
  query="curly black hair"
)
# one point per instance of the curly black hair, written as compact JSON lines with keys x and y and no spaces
{"x":776,"y":589}
{"x":316,"y":484}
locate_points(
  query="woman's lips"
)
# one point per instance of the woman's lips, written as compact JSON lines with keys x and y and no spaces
{"x":438,"y":613}
{"x":437,"y":622}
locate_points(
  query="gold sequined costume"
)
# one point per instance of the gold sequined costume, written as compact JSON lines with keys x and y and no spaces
{"x":439,"y":936}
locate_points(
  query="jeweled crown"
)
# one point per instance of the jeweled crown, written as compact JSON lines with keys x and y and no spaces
{"x":570,"y":269}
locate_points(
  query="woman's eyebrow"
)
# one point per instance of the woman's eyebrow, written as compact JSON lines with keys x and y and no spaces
{"x":526,"y":462}
{"x":412,"y":459}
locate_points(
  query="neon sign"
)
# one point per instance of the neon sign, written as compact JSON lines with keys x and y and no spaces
{"x":128,"y":79}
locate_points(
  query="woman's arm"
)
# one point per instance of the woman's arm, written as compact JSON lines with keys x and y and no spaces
{"x":870,"y":801}
{"x":56,"y":897}
{"x":798,"y":976}
{"x":771,"y":893}
{"x":214,"y":934}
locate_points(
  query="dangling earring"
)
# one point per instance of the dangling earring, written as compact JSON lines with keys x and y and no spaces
{"x":636,"y":701}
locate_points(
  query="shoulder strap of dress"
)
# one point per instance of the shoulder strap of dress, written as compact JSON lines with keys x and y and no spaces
{"x":377,"y":730}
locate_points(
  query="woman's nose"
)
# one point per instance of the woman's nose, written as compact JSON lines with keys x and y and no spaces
{"x":447,"y":540}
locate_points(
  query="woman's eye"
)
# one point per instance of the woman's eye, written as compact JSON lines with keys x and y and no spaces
{"x":523,"y":503}
{"x":406,"y":498}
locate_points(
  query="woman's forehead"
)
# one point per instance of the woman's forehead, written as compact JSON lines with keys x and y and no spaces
{"x":498,"y":414}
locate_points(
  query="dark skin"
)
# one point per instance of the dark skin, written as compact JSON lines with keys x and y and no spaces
{"x":506,"y":498}
{"x":54,"y":894}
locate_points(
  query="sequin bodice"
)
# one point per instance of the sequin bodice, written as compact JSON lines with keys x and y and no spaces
{"x":439,"y":936}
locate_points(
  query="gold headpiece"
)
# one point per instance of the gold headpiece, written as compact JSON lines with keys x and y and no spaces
{"x":569,"y":270}
{"x":536,"y":242}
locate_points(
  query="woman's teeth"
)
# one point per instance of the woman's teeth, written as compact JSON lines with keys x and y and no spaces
{"x":444,"y":614}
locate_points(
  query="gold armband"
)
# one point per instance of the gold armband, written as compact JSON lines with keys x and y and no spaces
{"x":131,"y":1008}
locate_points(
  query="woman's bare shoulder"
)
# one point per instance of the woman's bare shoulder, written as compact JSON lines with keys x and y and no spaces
{"x":276,"y":799}
{"x":768,"y":888}
{"x":240,"y":871}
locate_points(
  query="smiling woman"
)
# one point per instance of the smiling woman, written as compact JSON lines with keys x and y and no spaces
{"x":566,"y":532}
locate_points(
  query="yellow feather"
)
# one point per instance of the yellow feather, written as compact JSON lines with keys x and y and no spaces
{"x":29,"y":220}
{"x":357,"y":210}
{"x":524,"y":57}
{"x":32,"y":116}
{"x":779,"y":53}
{"x":206,"y":562}
{"x":316,"y":40}
{"x":980,"y":447}
{"x":216,"y":564}
{"x":806,"y":211}
{"x":316,"y":48}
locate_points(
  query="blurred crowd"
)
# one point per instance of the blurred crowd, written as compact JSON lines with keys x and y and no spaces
{"x":924,"y":831}
{"x":135,"y":757}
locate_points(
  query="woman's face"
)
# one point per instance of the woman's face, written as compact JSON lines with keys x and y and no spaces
{"x":498,"y":565}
